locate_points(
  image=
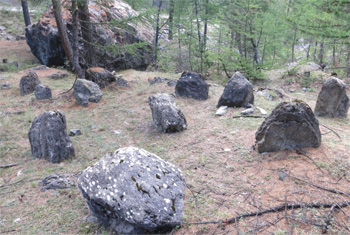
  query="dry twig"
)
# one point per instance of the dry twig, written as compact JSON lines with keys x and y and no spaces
{"x":331,"y":130}
{"x":9,"y":165}
{"x":248,"y":116}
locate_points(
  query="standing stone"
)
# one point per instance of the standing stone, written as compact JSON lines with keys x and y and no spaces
{"x":134,"y":192}
{"x":289,"y":126}
{"x":332,"y":101}
{"x":48,"y":138}
{"x":42,"y":92}
{"x":28,"y":83}
{"x":165,"y":113}
{"x":100,"y":76}
{"x":192,"y":85}
{"x":86,"y":91}
{"x":238,"y":92}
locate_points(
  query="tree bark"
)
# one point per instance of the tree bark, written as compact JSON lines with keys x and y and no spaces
{"x":86,"y":30}
{"x":171,"y":20}
{"x":157,"y":34}
{"x":25,"y":13}
{"x":78,"y":70}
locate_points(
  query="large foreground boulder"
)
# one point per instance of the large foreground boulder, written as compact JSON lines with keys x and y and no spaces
{"x":48,"y":138}
{"x":291,"y":125}
{"x":238,"y":92}
{"x":100,"y":76}
{"x":44,"y":41}
{"x":192,"y":85}
{"x":332,"y":100}
{"x":86,"y":91}
{"x":133,"y":191}
{"x":28,"y":83}
{"x":165,"y":114}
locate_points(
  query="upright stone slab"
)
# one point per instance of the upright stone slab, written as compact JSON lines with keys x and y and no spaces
{"x":165,"y":114}
{"x":48,"y":138}
{"x":42,"y":92}
{"x":291,"y":125}
{"x":86,"y":91}
{"x":192,"y":85}
{"x":28,"y":83}
{"x":133,"y":191}
{"x":238,"y":92}
{"x":332,"y":101}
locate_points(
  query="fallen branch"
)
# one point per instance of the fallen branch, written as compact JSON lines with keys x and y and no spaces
{"x":248,"y":116}
{"x":4,"y":185}
{"x":328,"y":219}
{"x":331,"y":190}
{"x":299,"y":151}
{"x":9,"y":165}
{"x":331,"y":130}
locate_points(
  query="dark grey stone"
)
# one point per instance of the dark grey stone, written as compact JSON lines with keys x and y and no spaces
{"x":282,"y":176}
{"x":86,"y":91}
{"x":28,"y":83}
{"x":332,"y":101}
{"x":192,"y":85}
{"x":168,"y":81}
{"x":238,"y":92}
{"x":58,"y":75}
{"x":291,"y":125}
{"x":74,"y":132}
{"x":5,"y":85}
{"x":165,"y":114}
{"x":134,"y":192}
{"x":100,"y":76}
{"x":122,"y":82}
{"x":58,"y":181}
{"x":42,"y":92}
{"x":48,"y":138}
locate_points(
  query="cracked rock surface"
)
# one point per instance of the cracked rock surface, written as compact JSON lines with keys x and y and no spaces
{"x":133,"y":191}
{"x":291,"y":125}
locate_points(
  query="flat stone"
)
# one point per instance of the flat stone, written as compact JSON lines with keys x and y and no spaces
{"x":221,"y":111}
{"x":74,"y":132}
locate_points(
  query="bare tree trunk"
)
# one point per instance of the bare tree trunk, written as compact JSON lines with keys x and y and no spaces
{"x":315,"y":53}
{"x":86,"y":30}
{"x":171,"y":19}
{"x":334,"y":48}
{"x":25,"y":12}
{"x":321,"y":52}
{"x":157,"y":34}
{"x":293,"y":44}
{"x":348,"y":62}
{"x":78,"y":70}
{"x":63,"y":32}
{"x":263,"y":53}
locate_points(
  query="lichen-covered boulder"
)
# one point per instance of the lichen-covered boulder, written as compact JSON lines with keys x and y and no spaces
{"x":48,"y":138}
{"x":192,"y":85}
{"x":238,"y":92}
{"x":332,"y":101}
{"x":44,"y":41}
{"x":165,"y":113}
{"x":100,"y":76}
{"x":86,"y":91}
{"x":28,"y":83}
{"x":291,"y":125}
{"x":133,"y":191}
{"x":42,"y":92}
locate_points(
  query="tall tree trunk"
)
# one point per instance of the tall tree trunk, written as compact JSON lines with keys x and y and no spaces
{"x":293,"y":44}
{"x":315,"y":53}
{"x":348,"y":62}
{"x":25,"y":12}
{"x":334,"y":48}
{"x":63,"y":32}
{"x":321,"y":52}
{"x":86,"y":30}
{"x":263,"y":53}
{"x":157,"y":34}
{"x":239,"y":43}
{"x":78,"y":70}
{"x":171,"y":20}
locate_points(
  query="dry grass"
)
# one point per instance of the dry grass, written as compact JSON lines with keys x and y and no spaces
{"x":221,"y":184}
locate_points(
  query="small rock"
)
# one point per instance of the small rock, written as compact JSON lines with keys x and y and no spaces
{"x":17,"y":220}
{"x":221,"y":111}
{"x":291,"y":90}
{"x":74,"y":132}
{"x":42,"y":92}
{"x":20,"y":172}
{"x":116,"y":132}
{"x":121,"y":82}
{"x":28,"y":83}
{"x":157,"y":80}
{"x":304,"y":89}
{"x":227,"y":150}
{"x":282,"y":176}
{"x":86,"y":91}
{"x":248,"y":111}
{"x":15,"y":63}
{"x":91,"y":219}
{"x":266,"y":94}
{"x":58,"y":75}
{"x":5,"y":85}
{"x":41,"y":67}
{"x":102,"y":77}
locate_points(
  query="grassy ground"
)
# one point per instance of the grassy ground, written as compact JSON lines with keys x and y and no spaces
{"x":224,"y":175}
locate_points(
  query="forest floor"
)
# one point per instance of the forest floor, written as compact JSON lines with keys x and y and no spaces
{"x":225,"y":176}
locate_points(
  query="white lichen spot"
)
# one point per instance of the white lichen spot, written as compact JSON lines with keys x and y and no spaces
{"x":93,"y":182}
{"x":165,"y":209}
{"x":165,"y":186}
{"x":108,"y":198}
{"x":167,"y":200}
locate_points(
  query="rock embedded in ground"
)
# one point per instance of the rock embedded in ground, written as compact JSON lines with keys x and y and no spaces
{"x":58,"y":181}
{"x":290,"y":125}
{"x":238,"y":92}
{"x":165,"y":113}
{"x":192,"y":85}
{"x":48,"y":138}
{"x":157,"y":80}
{"x":332,"y":101}
{"x":100,"y":76}
{"x":44,"y":40}
{"x":42,"y":92}
{"x":57,"y":75}
{"x":28,"y":83}
{"x":221,"y":111}
{"x":86,"y":91}
{"x":5,"y":85}
{"x":121,"y":82}
{"x":133,"y":191}
{"x":74,"y":132}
